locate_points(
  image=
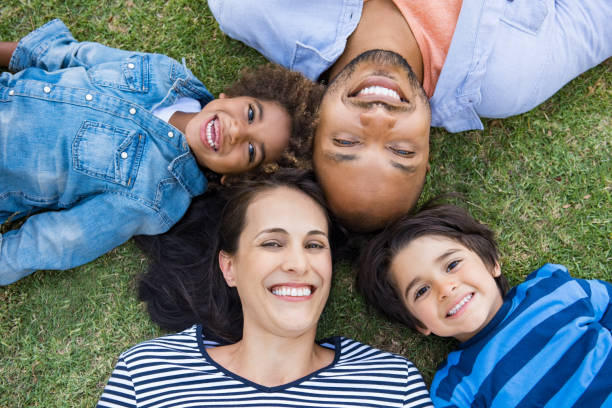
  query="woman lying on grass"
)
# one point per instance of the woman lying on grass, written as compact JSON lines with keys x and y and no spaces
{"x":260,"y":298}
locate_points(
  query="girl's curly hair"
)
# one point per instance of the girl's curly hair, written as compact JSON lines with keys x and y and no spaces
{"x":294,"y":92}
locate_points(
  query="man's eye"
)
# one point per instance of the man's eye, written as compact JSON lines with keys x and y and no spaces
{"x":344,"y":142}
{"x":251,"y":114}
{"x":421,"y":292}
{"x":251,"y":152}
{"x":402,"y":152}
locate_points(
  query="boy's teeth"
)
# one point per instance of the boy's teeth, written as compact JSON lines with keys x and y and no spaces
{"x":291,"y":291}
{"x":459,"y":305}
{"x":380,"y":91}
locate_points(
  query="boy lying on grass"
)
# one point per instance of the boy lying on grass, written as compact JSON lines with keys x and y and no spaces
{"x":102,"y":144}
{"x":545,"y":343}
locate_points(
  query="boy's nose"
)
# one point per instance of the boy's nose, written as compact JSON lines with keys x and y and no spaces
{"x":445,"y":288}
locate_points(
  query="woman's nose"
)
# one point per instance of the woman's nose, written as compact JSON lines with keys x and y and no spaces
{"x":295,"y":261}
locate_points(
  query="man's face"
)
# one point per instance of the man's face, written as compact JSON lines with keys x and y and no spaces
{"x":371,"y":147}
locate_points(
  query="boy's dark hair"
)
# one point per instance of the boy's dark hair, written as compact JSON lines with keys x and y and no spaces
{"x":301,"y":98}
{"x":183,"y":284}
{"x":374,"y":279}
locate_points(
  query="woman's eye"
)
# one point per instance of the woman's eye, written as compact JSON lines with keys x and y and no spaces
{"x":452,"y":266}
{"x":344,"y":142}
{"x":271,"y":244}
{"x":421,"y":292}
{"x":315,"y":245}
{"x":251,"y":152}
{"x":251,"y":114}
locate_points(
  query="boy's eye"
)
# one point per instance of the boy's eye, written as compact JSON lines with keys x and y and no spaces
{"x":420,"y":292}
{"x":452,"y":266}
{"x":251,"y":114}
{"x":251,"y":152}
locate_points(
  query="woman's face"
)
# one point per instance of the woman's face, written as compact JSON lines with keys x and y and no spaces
{"x":282,"y":268}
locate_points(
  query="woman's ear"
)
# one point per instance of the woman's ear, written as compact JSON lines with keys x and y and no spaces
{"x":226,"y":263}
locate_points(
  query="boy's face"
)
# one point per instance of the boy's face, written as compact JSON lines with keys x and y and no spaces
{"x":446,"y":287}
{"x":235,"y":135}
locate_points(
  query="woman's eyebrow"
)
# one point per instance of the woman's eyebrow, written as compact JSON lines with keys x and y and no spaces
{"x":260,"y":109}
{"x":271,"y":230}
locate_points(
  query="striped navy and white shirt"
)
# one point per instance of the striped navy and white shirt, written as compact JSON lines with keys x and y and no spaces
{"x":548,"y":346}
{"x":176,"y":371}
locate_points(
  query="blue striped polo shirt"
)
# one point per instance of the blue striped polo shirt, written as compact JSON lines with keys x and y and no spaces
{"x":176,"y":371}
{"x":548,"y":346}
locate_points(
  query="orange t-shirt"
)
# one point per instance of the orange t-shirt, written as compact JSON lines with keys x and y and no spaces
{"x":433,"y":23}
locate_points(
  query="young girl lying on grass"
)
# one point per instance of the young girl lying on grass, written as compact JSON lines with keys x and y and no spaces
{"x":545,"y":343}
{"x":101,"y":144}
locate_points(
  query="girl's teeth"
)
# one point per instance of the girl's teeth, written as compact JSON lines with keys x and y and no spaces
{"x":209,"y":133}
{"x":293,"y":292}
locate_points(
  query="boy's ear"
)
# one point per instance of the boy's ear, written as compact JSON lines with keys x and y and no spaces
{"x":222,"y":181}
{"x":222,"y":95}
{"x":226,"y":263}
{"x":496,"y":272}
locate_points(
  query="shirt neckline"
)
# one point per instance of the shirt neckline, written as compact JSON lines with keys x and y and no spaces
{"x":335,"y":342}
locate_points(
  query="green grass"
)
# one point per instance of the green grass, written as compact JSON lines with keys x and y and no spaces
{"x":542,"y":180}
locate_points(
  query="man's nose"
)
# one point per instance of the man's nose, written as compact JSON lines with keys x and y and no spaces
{"x":377,"y":119}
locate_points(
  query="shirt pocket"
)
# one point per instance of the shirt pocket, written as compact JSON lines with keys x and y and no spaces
{"x":525,"y":15}
{"x":108,"y":152}
{"x":130,"y":74}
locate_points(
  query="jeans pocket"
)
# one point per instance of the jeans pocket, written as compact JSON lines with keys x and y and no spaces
{"x":131,"y":74}
{"x":108,"y":152}
{"x":525,"y":15}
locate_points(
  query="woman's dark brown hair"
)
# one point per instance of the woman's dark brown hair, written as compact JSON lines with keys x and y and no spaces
{"x":374,"y":279}
{"x":183,"y":284}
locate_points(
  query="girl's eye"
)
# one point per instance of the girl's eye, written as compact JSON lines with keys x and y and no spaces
{"x":251,"y":152}
{"x":251,"y":114}
{"x":420,"y":292}
{"x":452,"y":266}
{"x":344,"y":142}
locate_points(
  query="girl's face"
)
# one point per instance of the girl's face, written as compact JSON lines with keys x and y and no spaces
{"x":282,"y":267}
{"x":446,"y":286}
{"x":235,"y":135}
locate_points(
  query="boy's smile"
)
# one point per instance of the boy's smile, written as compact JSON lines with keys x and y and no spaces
{"x":446,"y":286}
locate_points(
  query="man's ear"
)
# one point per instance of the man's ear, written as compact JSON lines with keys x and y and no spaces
{"x":222,"y":95}
{"x":496,"y":272}
{"x":226,"y":263}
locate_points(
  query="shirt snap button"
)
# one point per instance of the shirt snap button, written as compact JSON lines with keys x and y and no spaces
{"x":124,"y":155}
{"x":171,"y":134}
{"x":89,"y":97}
{"x":12,"y":92}
{"x":133,"y":111}
{"x":47,"y":89}
{"x":131,"y":66}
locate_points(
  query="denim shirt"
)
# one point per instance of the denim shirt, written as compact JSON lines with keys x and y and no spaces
{"x":80,"y":147}
{"x":505,"y":58}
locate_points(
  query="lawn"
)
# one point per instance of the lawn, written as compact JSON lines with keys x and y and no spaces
{"x":542,"y":180}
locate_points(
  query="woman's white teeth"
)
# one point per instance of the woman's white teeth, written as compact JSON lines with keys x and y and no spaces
{"x":290,"y":291}
{"x":379,"y":91}
{"x":459,"y":305}
{"x":209,"y":134}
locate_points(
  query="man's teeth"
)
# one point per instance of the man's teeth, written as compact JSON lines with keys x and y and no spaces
{"x":209,"y":134}
{"x":379,"y":91}
{"x":290,"y":291}
{"x":459,"y":305}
